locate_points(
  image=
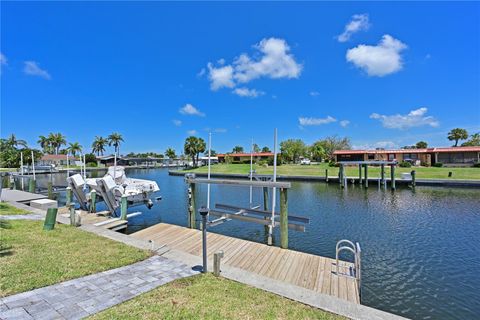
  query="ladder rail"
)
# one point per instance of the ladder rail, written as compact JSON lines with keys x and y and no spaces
{"x":347,"y":245}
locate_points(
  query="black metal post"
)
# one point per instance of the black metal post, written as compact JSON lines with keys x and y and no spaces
{"x":204,"y":213}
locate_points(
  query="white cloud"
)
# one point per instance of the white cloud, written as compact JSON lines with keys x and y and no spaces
{"x":375,"y":145}
{"x":380,"y":60}
{"x":176,"y":122}
{"x":273,"y":60}
{"x":32,"y":68}
{"x":220,"y":130}
{"x":220,"y":77}
{"x":190,"y":110}
{"x":250,"y":93}
{"x":3,"y":59}
{"x":201,"y":73}
{"x":314,"y":93}
{"x":359,"y":22}
{"x":192,"y":132}
{"x":344,"y":123}
{"x":315,"y":121}
{"x":414,"y":118}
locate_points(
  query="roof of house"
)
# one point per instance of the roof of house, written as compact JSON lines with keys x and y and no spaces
{"x":255,"y":154}
{"x":424,"y":150}
{"x":47,"y":157}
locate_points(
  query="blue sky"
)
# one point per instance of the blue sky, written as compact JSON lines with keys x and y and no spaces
{"x":383,"y":74}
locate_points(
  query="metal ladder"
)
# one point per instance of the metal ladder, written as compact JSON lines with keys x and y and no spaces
{"x":347,"y":245}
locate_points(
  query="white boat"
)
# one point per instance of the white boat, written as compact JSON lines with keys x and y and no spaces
{"x":112,"y":187}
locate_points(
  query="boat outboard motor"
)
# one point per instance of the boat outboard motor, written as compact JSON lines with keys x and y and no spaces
{"x":149,"y":204}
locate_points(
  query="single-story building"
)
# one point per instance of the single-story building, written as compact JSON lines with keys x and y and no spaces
{"x":108,"y":161}
{"x":245,"y":157}
{"x":449,"y":156}
{"x":204,"y":160}
{"x":143,"y":161}
{"x":56,"y":160}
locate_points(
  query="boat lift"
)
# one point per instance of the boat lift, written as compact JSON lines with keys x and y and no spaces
{"x":268,"y":218}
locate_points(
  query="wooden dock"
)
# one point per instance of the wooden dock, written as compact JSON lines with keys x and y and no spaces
{"x":305,"y":270}
{"x":100,"y":219}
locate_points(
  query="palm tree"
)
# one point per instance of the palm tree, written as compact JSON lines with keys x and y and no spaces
{"x":45,"y":144}
{"x":74,"y":148}
{"x":98,"y":145}
{"x":201,"y":147}
{"x":14,"y":142}
{"x":191,"y":148}
{"x":114,"y":140}
{"x":170,"y":153}
{"x":457,"y":134}
{"x":57,"y":140}
{"x":237,"y":149}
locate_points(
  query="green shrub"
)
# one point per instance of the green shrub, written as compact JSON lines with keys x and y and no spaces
{"x":92,"y":164}
{"x":424,"y":164}
{"x":262,"y":162}
{"x":332,"y":163}
{"x":405,"y":164}
{"x":438,"y":164}
{"x":476,"y":165}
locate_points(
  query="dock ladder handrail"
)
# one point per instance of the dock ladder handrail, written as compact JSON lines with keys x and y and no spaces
{"x":357,"y":254}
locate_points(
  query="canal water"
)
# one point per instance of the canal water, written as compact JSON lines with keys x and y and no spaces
{"x":421,"y":248}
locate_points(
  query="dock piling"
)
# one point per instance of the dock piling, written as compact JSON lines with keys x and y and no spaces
{"x":382,"y":173}
{"x":326,"y":175}
{"x":413,"y":173}
{"x":392,"y":176}
{"x":191,"y":205}
{"x":123,"y":207}
{"x":217,"y":256}
{"x":93,"y":201}
{"x":50,"y":190}
{"x":68,"y":196}
{"x":366,"y":176}
{"x":359,"y":174}
{"x":50,"y":219}
{"x":283,"y":218}
{"x":32,"y":185}
{"x":265,"y":205}
{"x":341,"y":174}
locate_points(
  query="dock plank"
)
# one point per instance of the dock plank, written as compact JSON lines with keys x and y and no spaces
{"x":309,"y":271}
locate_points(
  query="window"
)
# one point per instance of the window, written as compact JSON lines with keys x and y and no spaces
{"x":391,"y":156}
{"x":371,"y":156}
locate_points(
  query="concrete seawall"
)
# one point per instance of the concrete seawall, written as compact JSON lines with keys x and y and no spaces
{"x":334,"y":179}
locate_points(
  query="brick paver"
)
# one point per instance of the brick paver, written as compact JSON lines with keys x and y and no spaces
{"x":79,"y":298}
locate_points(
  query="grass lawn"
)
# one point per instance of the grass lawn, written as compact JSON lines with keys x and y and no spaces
{"x":319,"y":170}
{"x":209,"y":297}
{"x":6,"y":209}
{"x":38,"y":258}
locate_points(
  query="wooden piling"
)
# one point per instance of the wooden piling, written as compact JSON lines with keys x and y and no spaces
{"x":413,"y":173}
{"x":50,"y":190}
{"x":341,"y":174}
{"x":359,"y":174}
{"x":68,"y":196}
{"x":191,"y":206}
{"x":217,"y":256}
{"x":123,"y":207}
{"x":32,"y":185}
{"x":382,"y":173}
{"x":326,"y":175}
{"x":392,"y":176}
{"x":265,"y":205}
{"x":366,"y":176}
{"x":93,"y":201}
{"x":283,"y":218}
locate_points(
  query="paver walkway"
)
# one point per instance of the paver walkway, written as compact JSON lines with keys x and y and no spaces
{"x":78,"y":298}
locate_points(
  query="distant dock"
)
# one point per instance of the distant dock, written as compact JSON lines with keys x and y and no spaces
{"x":309,"y":271}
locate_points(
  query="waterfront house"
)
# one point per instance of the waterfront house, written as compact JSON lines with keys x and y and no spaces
{"x":448,"y":156}
{"x":245,"y":157}
{"x":56,"y":160}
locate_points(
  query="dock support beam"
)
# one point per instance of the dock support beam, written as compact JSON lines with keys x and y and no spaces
{"x":123,"y":208}
{"x":326,"y":175}
{"x":93,"y":201}
{"x":413,"y":178}
{"x":366,"y":176}
{"x":392,"y":176}
{"x":32,"y":185}
{"x":191,"y":205}
{"x":359,"y":174}
{"x":283,"y":218}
